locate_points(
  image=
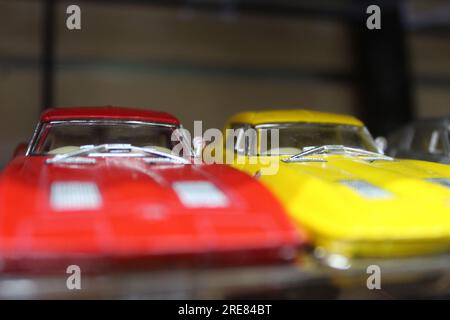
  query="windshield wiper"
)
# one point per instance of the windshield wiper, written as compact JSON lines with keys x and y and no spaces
{"x":77,"y":154}
{"x":87,"y":150}
{"x":73,"y":160}
{"x":371,"y":156}
{"x":301,"y":157}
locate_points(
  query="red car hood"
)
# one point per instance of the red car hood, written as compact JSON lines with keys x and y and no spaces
{"x":124,"y":207}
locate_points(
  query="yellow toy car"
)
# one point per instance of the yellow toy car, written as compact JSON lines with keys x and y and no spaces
{"x":354,"y":201}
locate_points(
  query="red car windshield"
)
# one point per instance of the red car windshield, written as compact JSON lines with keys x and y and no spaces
{"x":66,"y":137}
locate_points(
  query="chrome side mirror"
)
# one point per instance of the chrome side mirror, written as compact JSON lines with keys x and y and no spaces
{"x":381,"y":144}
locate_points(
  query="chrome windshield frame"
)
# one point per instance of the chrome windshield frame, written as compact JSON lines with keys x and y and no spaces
{"x":282,"y":125}
{"x":39,"y":129}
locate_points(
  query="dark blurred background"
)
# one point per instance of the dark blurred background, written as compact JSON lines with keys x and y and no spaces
{"x":207,"y":59}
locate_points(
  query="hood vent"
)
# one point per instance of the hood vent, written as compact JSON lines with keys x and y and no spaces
{"x":442,"y":181}
{"x":366,"y":189}
{"x":195,"y":194}
{"x":75,"y":196}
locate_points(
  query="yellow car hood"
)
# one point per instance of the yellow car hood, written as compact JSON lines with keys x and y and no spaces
{"x":353,"y":199}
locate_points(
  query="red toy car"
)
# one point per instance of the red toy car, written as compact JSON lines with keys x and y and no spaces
{"x":98,"y":186}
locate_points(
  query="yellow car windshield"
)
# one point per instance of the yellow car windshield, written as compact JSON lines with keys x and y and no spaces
{"x":296,"y":137}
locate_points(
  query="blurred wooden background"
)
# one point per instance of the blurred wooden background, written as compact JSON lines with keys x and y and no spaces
{"x":197,"y":65}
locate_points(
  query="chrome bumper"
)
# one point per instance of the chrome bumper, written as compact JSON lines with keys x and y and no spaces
{"x":179,"y":284}
{"x":427,"y":276}
{"x":412,"y":277}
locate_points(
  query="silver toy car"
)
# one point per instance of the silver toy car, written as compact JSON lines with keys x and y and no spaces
{"x":427,"y":139}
